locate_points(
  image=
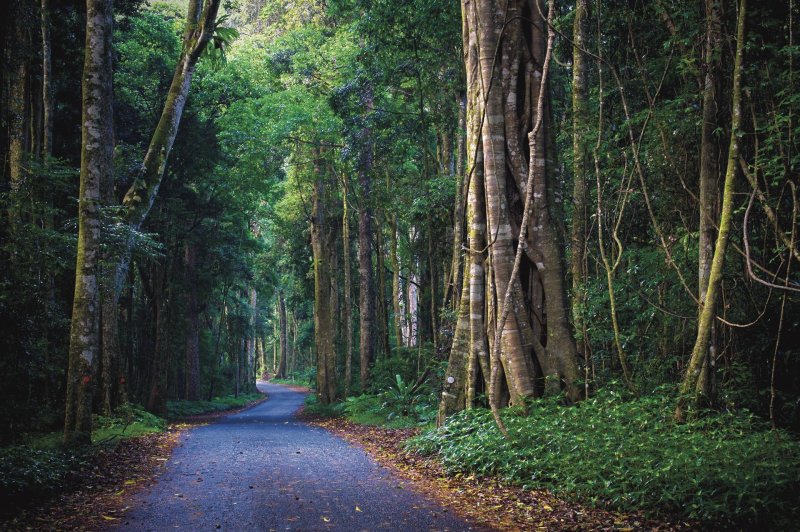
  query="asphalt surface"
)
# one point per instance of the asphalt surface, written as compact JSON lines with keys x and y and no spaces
{"x":262,"y":469}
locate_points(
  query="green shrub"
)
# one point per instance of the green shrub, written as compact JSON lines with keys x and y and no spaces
{"x":313,"y":406}
{"x":180,"y":409}
{"x":28,"y":473}
{"x":629,"y":454}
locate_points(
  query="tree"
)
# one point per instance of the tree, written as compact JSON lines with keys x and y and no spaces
{"x":96,"y":167}
{"x":690,"y":390}
{"x":524,"y":283}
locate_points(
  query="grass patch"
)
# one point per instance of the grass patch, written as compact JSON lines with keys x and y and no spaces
{"x":726,"y":469}
{"x":181,"y":409}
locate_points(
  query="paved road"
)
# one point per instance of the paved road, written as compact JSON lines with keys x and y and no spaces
{"x":262,"y":469}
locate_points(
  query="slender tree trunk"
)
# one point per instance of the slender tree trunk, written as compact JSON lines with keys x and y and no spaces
{"x":383,"y":312}
{"x":456,"y":269}
{"x":579,"y":165}
{"x":157,"y":397}
{"x":18,"y":113}
{"x":192,"y":325}
{"x":366,"y":295}
{"x":96,"y":166}
{"x":708,"y":177}
{"x":699,"y":357}
{"x":397,"y":294}
{"x":48,"y":100}
{"x":348,"y":290}
{"x":281,"y":373}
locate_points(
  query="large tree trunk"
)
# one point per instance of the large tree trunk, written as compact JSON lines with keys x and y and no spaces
{"x":508,"y":143}
{"x":322,"y":242}
{"x":96,"y":166}
{"x":366,"y":284}
{"x":708,"y":176}
{"x":700,"y":352}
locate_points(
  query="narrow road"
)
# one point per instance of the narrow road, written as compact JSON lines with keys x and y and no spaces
{"x":262,"y":469}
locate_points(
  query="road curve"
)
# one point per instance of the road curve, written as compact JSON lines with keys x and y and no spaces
{"x":262,"y":469}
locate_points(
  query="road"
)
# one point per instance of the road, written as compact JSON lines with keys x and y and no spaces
{"x":262,"y":469}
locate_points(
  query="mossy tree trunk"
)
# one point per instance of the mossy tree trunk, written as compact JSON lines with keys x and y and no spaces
{"x":579,"y":235}
{"x":708,"y":177}
{"x":96,"y":167}
{"x":690,"y":393}
{"x":322,"y":244}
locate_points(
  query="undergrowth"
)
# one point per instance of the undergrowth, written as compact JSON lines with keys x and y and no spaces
{"x":180,"y":409}
{"x":397,"y":405}
{"x":40,"y":467}
{"x":628,"y":453}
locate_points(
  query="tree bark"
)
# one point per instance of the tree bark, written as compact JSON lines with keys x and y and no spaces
{"x":348,"y":304}
{"x":192,"y":325}
{"x":579,"y":164}
{"x":48,"y":100}
{"x":322,"y":243}
{"x":366,"y":283}
{"x":689,"y":386}
{"x":397,"y":294}
{"x":708,"y":175}
{"x":284,"y":348}
{"x":96,"y":166}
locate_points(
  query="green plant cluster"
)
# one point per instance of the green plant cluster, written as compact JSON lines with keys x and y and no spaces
{"x":727,"y":469}
{"x":27,"y":473}
{"x":180,"y":409}
{"x":42,"y":467}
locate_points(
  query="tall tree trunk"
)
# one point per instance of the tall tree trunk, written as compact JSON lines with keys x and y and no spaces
{"x":96,"y":166}
{"x":397,"y":295}
{"x":192,"y":325}
{"x":579,"y":165}
{"x":699,"y":357}
{"x":513,"y":354}
{"x":251,"y":341}
{"x":708,"y":177}
{"x":453,"y":297}
{"x":348,"y":290}
{"x":383,"y":311}
{"x":284,"y":348}
{"x":48,"y":100}
{"x":157,"y":396}
{"x":18,"y":111}
{"x":366,"y":284}
{"x":321,"y":244}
